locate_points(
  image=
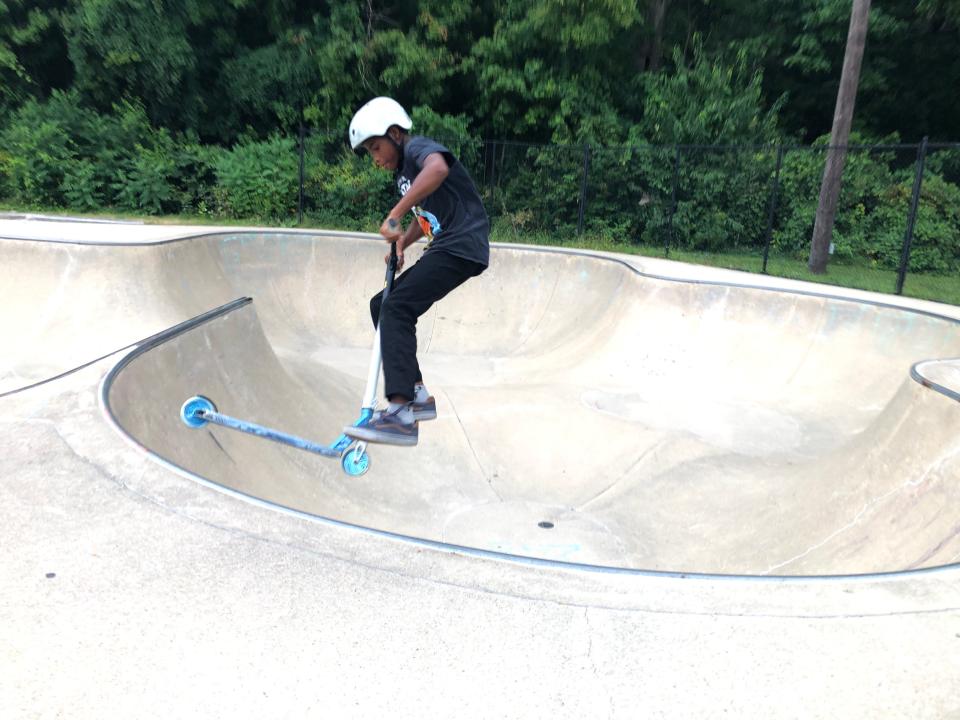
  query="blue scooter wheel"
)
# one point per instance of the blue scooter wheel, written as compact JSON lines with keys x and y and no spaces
{"x":355,"y":463}
{"x":192,"y":411}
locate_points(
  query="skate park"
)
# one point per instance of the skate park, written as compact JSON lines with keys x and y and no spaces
{"x":653,"y":489}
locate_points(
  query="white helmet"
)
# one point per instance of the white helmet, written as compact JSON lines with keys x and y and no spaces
{"x":375,"y":118}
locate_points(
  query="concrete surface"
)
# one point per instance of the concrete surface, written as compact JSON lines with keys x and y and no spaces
{"x":777,"y":469}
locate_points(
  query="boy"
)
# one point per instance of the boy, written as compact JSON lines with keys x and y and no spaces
{"x":449,"y":213}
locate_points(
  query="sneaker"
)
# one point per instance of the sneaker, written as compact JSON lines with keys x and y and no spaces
{"x":426,"y":410}
{"x":385,"y":428}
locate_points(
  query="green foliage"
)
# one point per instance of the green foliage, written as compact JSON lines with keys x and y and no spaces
{"x":451,"y":131}
{"x":80,"y":187}
{"x":39,"y":147}
{"x":165,"y":173}
{"x":145,"y":183}
{"x":935,"y":10}
{"x":721,"y":195}
{"x":131,"y":48}
{"x":127,"y":104}
{"x":936,"y":244}
{"x":866,"y":178}
{"x":630,"y":189}
{"x":258,"y":179}
{"x":308,"y":69}
{"x":555,"y":67}
{"x":63,"y":154}
{"x":535,"y":188}
{"x":27,"y":32}
{"x":945,"y":162}
{"x":911,"y":48}
{"x":722,"y":200}
{"x":537,"y":70}
{"x":872,"y":211}
{"x":707,"y":101}
{"x":936,"y":234}
{"x":408,"y":67}
{"x":350,"y":192}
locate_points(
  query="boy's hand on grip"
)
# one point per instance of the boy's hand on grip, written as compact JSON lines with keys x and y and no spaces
{"x":391,"y":229}
{"x":386,"y":258}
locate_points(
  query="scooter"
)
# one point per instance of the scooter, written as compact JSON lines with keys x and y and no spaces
{"x":199,"y":410}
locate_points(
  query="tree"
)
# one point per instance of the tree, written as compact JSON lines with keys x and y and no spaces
{"x":133,"y":49}
{"x":651,"y":50}
{"x":32,"y":52}
{"x":839,"y":135}
{"x":555,"y":70}
{"x":310,"y":70}
{"x":706,"y":100}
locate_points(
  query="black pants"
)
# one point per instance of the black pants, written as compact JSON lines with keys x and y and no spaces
{"x":431,"y":278}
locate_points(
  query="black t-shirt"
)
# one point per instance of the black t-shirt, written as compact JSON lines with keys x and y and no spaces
{"x":452,"y":217}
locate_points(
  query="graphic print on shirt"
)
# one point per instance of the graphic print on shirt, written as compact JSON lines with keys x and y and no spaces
{"x":429,"y":222}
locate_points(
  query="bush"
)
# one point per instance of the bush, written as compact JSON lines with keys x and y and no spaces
{"x":80,"y":186}
{"x":872,"y":211}
{"x":452,"y":132}
{"x":629,"y":190}
{"x":935,"y":246}
{"x":144,"y":183}
{"x":259,"y":179}
{"x":543,"y":182}
{"x":350,"y":192}
{"x":867,"y":179}
{"x":61,"y":154}
{"x":722,"y":198}
{"x":195,"y":177}
{"x":39,"y":151}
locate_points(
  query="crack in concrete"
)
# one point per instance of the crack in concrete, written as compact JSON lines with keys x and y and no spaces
{"x":594,"y":669}
{"x":473,"y":451}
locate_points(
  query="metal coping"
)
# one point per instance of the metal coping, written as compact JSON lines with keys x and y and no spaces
{"x":917,"y":374}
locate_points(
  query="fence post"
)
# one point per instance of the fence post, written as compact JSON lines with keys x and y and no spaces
{"x":912,"y":216}
{"x":493,"y":180}
{"x":300,"y":196}
{"x":673,"y":201}
{"x":583,"y":188}
{"x":774,"y":191}
{"x":486,"y":162}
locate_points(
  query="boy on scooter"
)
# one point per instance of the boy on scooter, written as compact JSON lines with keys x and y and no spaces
{"x":447,"y":210}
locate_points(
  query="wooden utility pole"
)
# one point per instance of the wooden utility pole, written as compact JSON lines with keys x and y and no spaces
{"x":839,"y":137}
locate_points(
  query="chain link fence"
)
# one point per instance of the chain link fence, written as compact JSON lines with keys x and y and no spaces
{"x":896,"y":230}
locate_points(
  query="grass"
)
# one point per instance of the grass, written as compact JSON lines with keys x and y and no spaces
{"x":938,"y":288}
{"x":845,"y":274}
